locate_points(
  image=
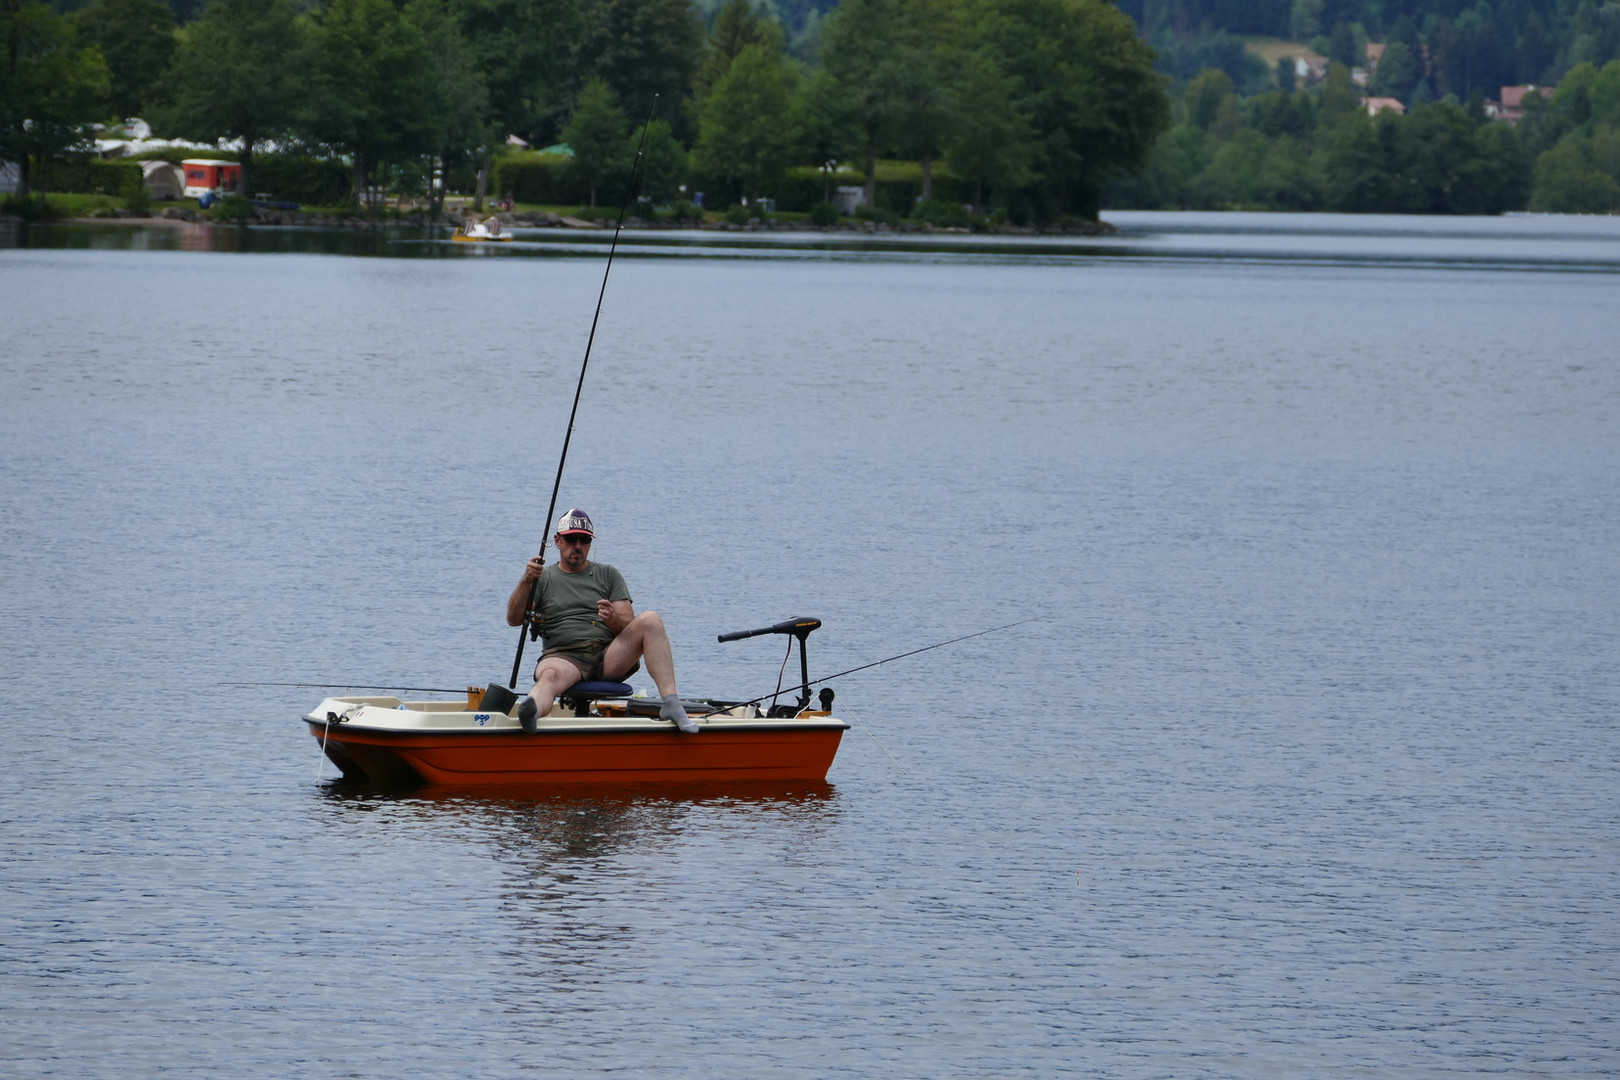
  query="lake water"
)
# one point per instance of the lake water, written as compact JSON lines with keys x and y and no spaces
{"x":1308,"y":766}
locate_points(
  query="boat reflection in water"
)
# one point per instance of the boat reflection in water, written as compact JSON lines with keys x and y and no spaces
{"x":591,"y":821}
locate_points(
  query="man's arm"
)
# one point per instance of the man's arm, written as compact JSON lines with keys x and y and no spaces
{"x":517,"y":605}
{"x":613,"y":614}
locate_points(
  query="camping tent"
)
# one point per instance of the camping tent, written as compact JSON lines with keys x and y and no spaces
{"x":163,"y":181}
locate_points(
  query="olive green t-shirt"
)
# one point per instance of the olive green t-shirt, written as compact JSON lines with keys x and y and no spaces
{"x":568,"y":604}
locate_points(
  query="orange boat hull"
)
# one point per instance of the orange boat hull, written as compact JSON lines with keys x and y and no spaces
{"x":506,"y":757}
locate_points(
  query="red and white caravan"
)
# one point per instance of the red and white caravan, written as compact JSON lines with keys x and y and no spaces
{"x":206,"y":174}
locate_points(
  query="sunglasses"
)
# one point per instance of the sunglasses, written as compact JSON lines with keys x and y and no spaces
{"x":582,"y":541}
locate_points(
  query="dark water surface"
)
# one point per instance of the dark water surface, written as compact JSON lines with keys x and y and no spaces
{"x":1309,"y":767}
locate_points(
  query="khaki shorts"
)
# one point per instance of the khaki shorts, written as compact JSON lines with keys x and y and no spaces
{"x":588,"y":659}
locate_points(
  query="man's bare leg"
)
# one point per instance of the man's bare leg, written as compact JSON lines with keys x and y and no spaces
{"x":647,"y":640}
{"x":554,"y":675}
{"x":644,"y":639}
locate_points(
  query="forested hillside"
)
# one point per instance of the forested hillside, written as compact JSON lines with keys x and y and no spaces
{"x":1452,"y":47}
{"x":1253,"y":130}
{"x":1026,"y":107}
{"x":1034,"y":109}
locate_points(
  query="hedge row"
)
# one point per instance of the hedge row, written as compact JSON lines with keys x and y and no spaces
{"x":549,"y":180}
{"x":309,"y":181}
{"x":899,"y":186}
{"x":540,"y":178}
{"x":529,"y":178}
{"x":91,"y":176}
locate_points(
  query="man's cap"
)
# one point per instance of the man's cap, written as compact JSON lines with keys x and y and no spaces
{"x":575,"y":521}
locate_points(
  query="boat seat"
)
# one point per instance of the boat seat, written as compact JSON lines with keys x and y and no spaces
{"x":579,"y":696}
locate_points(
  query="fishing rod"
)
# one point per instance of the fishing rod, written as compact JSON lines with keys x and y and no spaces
{"x":348,"y":686}
{"x":780,"y":628}
{"x":528,"y":629}
{"x":805,"y":686}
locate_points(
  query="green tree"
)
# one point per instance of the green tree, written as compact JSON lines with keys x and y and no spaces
{"x":1502,"y":173}
{"x":137,"y":39}
{"x":1569,"y":179}
{"x":748,"y":129}
{"x":1443,"y":168}
{"x":374,"y":88}
{"x":737,"y":25}
{"x":523,"y":50}
{"x":642,"y":49}
{"x":1278,"y":113}
{"x":1533,"y":52}
{"x":1342,"y":45}
{"x":1232,"y":180}
{"x":459,"y":97}
{"x":663,"y":161}
{"x":1305,"y":19}
{"x":1202,"y":99}
{"x":596,"y":134}
{"x":238,"y":74}
{"x":871,"y":65}
{"x":936,"y":42}
{"x":1087,"y":85}
{"x":993,"y":143}
{"x":1580,"y":173}
{"x":1339,"y":98}
{"x":1286,"y":180}
{"x":1397,"y":72}
{"x":51,"y":90}
{"x":1356,"y":164}
{"x":1166,"y":182}
{"x":826,"y":129}
{"x":1604,"y":94}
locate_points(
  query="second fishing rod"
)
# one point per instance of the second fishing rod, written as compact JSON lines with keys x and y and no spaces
{"x":529,"y":628}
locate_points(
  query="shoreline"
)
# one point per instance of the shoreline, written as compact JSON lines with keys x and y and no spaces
{"x":182,"y":217}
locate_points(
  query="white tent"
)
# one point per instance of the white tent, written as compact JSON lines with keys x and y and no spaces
{"x":163,"y":180}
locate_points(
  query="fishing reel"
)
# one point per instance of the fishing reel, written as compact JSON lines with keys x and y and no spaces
{"x":536,"y":623}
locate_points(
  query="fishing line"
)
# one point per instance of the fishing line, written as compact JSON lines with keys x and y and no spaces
{"x":805,"y":686}
{"x":534,"y":587}
{"x":326,"y":733}
{"x":874,"y":738}
{"x":320,"y":761}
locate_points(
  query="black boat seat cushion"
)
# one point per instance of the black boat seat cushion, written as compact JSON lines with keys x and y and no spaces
{"x":592,"y":689}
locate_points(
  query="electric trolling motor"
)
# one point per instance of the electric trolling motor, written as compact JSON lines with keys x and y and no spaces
{"x":799,"y":628}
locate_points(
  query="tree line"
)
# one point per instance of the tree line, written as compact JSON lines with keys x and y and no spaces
{"x":1041,"y":103}
{"x":1432,"y":48}
{"x":1320,"y":149}
{"x":1246,"y":134}
{"x":1040,"y":107}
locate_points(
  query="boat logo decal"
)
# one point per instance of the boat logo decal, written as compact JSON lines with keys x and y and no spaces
{"x":481,"y":718}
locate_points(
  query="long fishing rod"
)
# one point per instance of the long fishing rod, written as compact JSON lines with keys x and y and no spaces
{"x":527,"y":628}
{"x":805,"y":686}
{"x":348,"y":686}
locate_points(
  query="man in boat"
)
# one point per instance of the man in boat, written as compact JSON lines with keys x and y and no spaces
{"x":591,"y":630}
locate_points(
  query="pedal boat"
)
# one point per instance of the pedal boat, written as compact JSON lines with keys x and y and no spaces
{"x":386,"y":740}
{"x":474,"y":232}
{"x":595,"y":733}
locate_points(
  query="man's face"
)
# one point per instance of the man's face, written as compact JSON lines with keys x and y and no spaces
{"x":572,"y":550}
